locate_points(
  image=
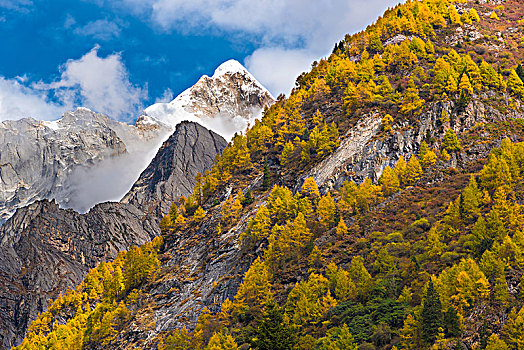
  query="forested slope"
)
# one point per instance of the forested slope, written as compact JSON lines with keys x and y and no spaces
{"x":379,"y":206}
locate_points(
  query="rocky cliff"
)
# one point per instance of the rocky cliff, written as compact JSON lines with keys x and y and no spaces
{"x":40,"y":160}
{"x":44,"y":249}
{"x":172,"y":172}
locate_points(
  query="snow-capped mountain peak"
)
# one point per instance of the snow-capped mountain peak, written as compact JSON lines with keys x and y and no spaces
{"x":231,"y":67}
{"x":227,"y":102}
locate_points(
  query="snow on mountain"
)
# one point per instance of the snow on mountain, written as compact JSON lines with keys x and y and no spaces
{"x":61,"y":159}
{"x":85,"y":158}
{"x":227,"y":102}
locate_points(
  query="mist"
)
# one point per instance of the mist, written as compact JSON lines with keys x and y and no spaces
{"x":110,"y":179}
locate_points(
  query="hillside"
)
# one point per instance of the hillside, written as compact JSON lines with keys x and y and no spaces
{"x":379,"y":206}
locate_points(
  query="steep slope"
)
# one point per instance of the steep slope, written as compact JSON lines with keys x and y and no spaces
{"x":172,"y":173}
{"x":422,"y":246}
{"x":44,"y":249}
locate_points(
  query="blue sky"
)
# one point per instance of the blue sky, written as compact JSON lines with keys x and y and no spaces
{"x":119,"y":56}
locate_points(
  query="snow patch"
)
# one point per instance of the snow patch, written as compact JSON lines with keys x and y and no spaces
{"x":53,"y":125}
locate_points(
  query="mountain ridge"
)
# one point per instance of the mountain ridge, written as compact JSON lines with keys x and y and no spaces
{"x":84,"y":153}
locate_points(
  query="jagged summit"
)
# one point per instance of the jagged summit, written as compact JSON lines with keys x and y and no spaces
{"x":227,"y":102}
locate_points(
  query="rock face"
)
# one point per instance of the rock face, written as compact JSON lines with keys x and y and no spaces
{"x":45,"y":249}
{"x":172,"y":173}
{"x":362,"y":154}
{"x":38,"y":159}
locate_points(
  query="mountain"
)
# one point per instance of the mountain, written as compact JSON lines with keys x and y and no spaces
{"x":227,"y":102}
{"x":191,"y":150}
{"x":86,"y":158}
{"x":38,"y":157}
{"x":379,"y":206}
{"x":44,"y":250}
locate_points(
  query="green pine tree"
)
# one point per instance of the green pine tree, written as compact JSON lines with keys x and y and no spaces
{"x":451,"y":323}
{"x":273,"y":332}
{"x":431,"y":314}
{"x":266,"y":179}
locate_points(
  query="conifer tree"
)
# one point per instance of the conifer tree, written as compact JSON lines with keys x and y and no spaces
{"x":450,"y":141}
{"x":515,"y":85}
{"x":310,"y":189}
{"x":451,"y":322}
{"x":386,"y":123}
{"x":173,"y":211}
{"x":413,"y":171}
{"x":429,"y":159}
{"x":465,"y":85}
{"x":520,"y":72}
{"x":221,"y":341}
{"x":473,"y":14}
{"x":389,"y":181}
{"x":199,"y":214}
{"x":266,"y":178}
{"x":444,"y":117}
{"x":445,"y":155}
{"x":495,"y":343}
{"x":180,"y":220}
{"x":317,"y":118}
{"x":514,"y":336}
{"x":489,"y":75}
{"x":342,"y":229}
{"x":431,"y":314}
{"x":411,"y":333}
{"x":423,"y":149}
{"x":326,"y":211}
{"x":248,"y":198}
{"x":287,"y":152}
{"x":385,"y":90}
{"x":411,"y":101}
{"x":471,"y":199}
{"x":400,"y":169}
{"x":454,"y":15}
{"x":338,"y":338}
{"x":165,"y":223}
{"x":273,"y":332}
{"x":255,"y":290}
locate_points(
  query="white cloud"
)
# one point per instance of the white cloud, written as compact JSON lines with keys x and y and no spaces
{"x":99,"y":83}
{"x":101,"y":29}
{"x":167,"y":96}
{"x":278,"y":68}
{"x":289,"y":31}
{"x":18,"y":101}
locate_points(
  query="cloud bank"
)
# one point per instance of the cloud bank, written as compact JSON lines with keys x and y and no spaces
{"x":99,"y":83}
